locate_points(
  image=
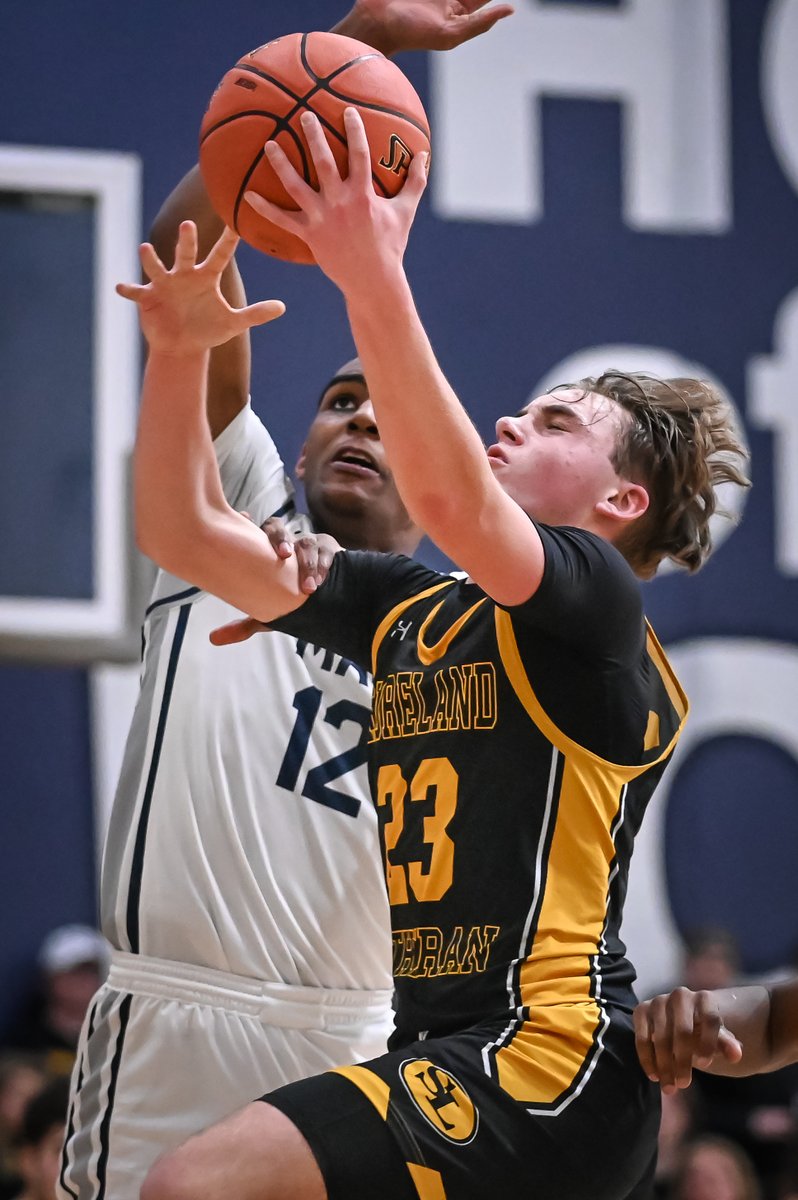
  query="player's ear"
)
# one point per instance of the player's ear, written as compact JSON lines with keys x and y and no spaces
{"x":299,"y":469}
{"x":627,"y":503}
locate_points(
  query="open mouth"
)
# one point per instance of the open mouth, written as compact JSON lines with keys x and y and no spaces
{"x":496,"y":454}
{"x":356,"y":462}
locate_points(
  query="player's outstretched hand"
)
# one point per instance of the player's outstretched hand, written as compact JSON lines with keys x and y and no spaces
{"x":680,"y":1030}
{"x":354,"y":234}
{"x":395,"y":25}
{"x":182,"y":310}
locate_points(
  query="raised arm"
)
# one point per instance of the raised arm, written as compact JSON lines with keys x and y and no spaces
{"x":229,"y":364}
{"x":735,"y":1031}
{"x":182,"y":518}
{"x":359,"y":240}
{"x":392,"y":26}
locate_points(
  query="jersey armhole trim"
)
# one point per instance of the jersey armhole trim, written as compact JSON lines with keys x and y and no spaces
{"x":519,"y":680}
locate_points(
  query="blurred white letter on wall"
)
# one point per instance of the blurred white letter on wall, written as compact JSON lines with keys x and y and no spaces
{"x":665,"y":61}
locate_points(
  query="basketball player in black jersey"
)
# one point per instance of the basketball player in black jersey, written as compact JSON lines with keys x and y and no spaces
{"x":522,"y":717}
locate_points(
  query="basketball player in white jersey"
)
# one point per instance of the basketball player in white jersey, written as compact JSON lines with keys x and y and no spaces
{"x":242,"y":815}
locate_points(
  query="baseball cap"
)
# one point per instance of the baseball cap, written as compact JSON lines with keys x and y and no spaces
{"x":70,"y":945}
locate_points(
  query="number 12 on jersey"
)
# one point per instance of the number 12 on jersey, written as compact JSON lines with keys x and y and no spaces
{"x":317,"y":784}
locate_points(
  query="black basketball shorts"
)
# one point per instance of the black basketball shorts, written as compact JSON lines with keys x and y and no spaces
{"x":429,"y":1122}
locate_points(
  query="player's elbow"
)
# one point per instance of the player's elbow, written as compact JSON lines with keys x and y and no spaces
{"x":174,"y":546}
{"x":155,"y":540}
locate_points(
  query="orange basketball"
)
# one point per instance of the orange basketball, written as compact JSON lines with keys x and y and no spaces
{"x":262,"y":98}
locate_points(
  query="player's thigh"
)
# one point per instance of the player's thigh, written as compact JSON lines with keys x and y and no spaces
{"x":255,"y":1154}
{"x":431,"y":1119}
{"x":152,"y":1071}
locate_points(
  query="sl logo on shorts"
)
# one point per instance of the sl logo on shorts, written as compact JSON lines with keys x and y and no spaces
{"x":441,"y":1099}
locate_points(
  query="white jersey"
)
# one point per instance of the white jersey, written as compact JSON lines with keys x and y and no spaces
{"x":242,"y":836}
{"x":242,"y":887}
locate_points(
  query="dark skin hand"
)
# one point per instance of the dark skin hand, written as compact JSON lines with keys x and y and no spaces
{"x":679,"y":1031}
{"x":395,"y":25}
{"x":732,"y":1031}
{"x":314,"y":553}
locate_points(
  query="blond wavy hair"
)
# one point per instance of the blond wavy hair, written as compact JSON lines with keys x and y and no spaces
{"x":680,"y":444}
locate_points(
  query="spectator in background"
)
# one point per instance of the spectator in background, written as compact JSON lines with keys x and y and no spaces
{"x":72,"y":962}
{"x":711,"y":959}
{"x":715,"y":1169}
{"x":40,"y":1140}
{"x":21,"y":1077}
{"x":675,"y":1130}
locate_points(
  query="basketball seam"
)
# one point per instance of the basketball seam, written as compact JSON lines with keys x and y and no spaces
{"x":314,"y":75}
{"x":380,"y":108}
{"x":324,"y":81}
{"x":321,"y":83}
{"x":280,"y":128}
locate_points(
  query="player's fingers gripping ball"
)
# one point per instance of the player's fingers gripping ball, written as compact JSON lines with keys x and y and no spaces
{"x":262,"y":99}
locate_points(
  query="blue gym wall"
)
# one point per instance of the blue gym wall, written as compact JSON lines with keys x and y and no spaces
{"x":504,"y":303}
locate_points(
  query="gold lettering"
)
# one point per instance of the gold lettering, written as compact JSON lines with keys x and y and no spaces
{"x":428,"y":951}
{"x":487,"y":702}
{"x":406,"y":707}
{"x":477,"y":949}
{"x":460,"y":696}
{"x":389,"y":723}
{"x":424,"y":720}
{"x":439,"y":721}
{"x":451,"y":957}
{"x":376,"y":712}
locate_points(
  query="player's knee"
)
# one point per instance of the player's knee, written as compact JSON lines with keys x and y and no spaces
{"x":170,"y":1178}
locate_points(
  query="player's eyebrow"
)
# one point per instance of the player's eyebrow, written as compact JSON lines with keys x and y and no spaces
{"x":555,"y":408}
{"x":337,"y":380}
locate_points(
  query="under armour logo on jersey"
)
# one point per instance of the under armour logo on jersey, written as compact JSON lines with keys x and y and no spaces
{"x":402,"y":628}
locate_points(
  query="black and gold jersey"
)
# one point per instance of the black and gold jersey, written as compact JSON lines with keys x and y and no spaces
{"x":513,"y":752}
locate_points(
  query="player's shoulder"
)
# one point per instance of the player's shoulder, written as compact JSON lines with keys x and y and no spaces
{"x":576,"y":557}
{"x":588,"y":596}
{"x":246,"y":427}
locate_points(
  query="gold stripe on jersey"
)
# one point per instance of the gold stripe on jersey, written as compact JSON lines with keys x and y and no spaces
{"x":373,"y":1088}
{"x":669,"y":680}
{"x":513,"y":665}
{"x":430,"y":654}
{"x":544,"y":1057}
{"x":428,"y":1183}
{"x":555,"y":981}
{"x":394,"y":615}
{"x":652,"y":735}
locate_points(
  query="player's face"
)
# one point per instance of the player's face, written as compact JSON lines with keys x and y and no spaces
{"x":554,"y":457}
{"x":349,"y":487}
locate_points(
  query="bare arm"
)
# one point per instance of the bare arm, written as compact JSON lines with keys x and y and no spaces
{"x":359,"y":239}
{"x":182,"y":518}
{"x":395,"y":25}
{"x":388,"y":25}
{"x":736,"y":1031}
{"x":229,"y":365}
